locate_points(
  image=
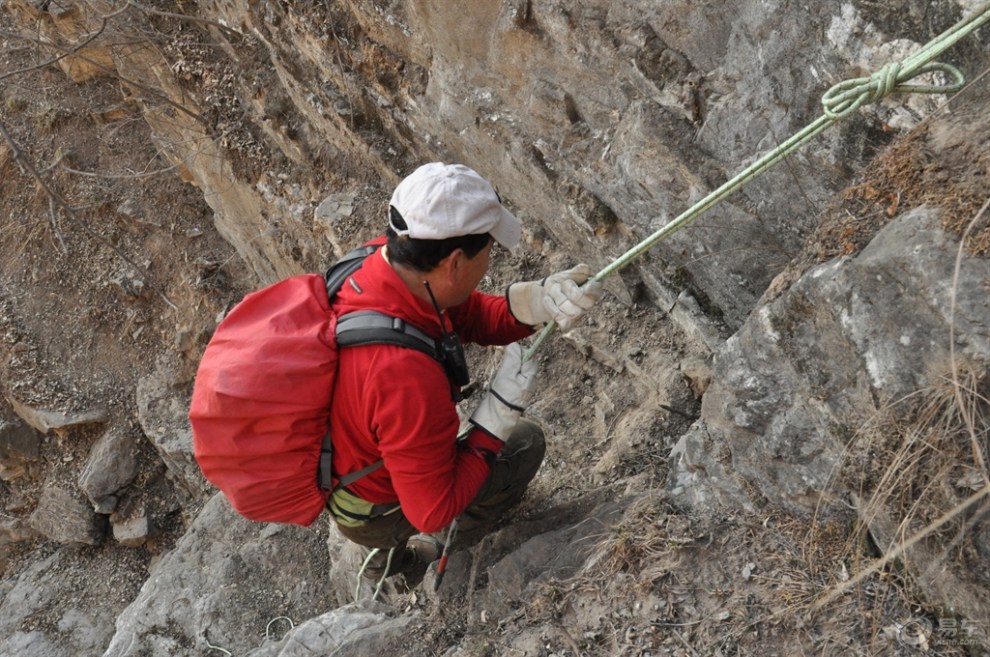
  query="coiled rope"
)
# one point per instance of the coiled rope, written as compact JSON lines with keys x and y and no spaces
{"x":838,"y":102}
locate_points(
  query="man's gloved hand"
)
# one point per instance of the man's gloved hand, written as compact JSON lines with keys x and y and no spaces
{"x":560,"y":297}
{"x":509,"y":394}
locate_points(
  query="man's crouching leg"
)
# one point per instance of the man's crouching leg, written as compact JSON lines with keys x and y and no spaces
{"x":516,"y":465}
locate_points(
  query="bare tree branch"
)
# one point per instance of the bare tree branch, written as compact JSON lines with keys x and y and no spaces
{"x":73,"y":51}
{"x":134,"y":176}
{"x":54,"y":200}
{"x":70,"y":52}
{"x":183,"y":17}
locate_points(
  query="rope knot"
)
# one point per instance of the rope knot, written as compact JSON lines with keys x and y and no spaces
{"x":846,"y":97}
{"x":884,"y":81}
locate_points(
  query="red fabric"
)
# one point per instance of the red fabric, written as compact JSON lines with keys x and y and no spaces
{"x":394,"y":404}
{"x":258,"y":410}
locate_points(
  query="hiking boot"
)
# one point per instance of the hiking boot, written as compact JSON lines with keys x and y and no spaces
{"x":421,"y":550}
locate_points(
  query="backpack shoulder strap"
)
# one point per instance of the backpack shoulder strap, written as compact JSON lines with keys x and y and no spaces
{"x":347,"y":265}
{"x":373,"y":327}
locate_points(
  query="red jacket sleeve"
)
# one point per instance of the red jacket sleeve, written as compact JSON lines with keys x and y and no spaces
{"x":411,"y":414}
{"x":485,"y":319}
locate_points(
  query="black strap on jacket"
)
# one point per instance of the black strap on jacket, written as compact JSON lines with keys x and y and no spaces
{"x":347,"y":265}
{"x":373,"y":327}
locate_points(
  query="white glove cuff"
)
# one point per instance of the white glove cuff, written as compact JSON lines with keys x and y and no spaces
{"x":495,"y":416}
{"x":526,"y":303}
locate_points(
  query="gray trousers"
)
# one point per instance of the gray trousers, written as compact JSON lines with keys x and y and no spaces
{"x":514,"y":467}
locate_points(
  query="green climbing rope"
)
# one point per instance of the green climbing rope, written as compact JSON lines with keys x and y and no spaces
{"x":839,"y":102}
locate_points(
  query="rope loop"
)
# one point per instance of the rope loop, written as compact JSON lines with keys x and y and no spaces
{"x":846,"y":97}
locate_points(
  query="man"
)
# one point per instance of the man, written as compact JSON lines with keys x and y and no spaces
{"x":397,"y":405}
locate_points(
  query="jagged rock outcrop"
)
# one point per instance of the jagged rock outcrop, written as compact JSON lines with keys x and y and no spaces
{"x":606,"y":127}
{"x":807,"y":371}
{"x":224,"y":581}
{"x":846,"y":348}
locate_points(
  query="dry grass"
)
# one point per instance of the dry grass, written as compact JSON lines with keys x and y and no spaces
{"x":923,"y":464}
{"x":909,"y":174}
{"x":643,"y":544}
{"x":738,"y":585}
{"x":824,"y":586}
{"x":919,"y":469}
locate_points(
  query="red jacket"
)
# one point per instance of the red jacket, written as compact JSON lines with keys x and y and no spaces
{"x":394,"y":403}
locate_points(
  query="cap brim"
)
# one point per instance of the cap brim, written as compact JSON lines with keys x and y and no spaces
{"x":508,"y":230}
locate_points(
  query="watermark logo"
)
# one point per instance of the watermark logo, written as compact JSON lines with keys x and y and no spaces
{"x":914,"y":633}
{"x":921,"y":632}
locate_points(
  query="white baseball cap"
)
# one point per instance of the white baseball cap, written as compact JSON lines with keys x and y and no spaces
{"x":438,"y":201}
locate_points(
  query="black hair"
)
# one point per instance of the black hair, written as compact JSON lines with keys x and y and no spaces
{"x":424,"y":255}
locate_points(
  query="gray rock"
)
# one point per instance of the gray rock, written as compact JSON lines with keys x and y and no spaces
{"x":163,"y":411}
{"x":111,"y":465}
{"x":808,"y":369}
{"x":133,"y":531}
{"x":45,"y":420}
{"x":330,"y":213}
{"x":354,"y":630}
{"x":549,"y":554}
{"x":129,"y":284}
{"x":30,"y":644}
{"x":19,"y":447}
{"x":63,"y":518}
{"x":223,"y":582}
{"x":45,"y":588}
{"x":106,"y":505}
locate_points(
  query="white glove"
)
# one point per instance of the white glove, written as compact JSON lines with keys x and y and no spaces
{"x":559,"y":298}
{"x":509,"y":393}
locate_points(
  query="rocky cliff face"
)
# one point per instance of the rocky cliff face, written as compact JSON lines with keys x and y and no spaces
{"x":791,"y":387}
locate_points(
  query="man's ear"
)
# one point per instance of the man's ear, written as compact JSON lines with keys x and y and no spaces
{"x":453,"y":263}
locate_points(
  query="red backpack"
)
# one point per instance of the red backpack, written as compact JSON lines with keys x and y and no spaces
{"x":261,"y":401}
